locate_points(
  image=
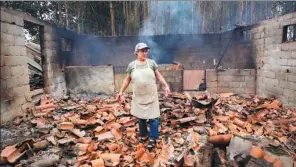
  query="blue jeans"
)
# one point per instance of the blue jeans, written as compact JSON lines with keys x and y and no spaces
{"x":153,"y":128}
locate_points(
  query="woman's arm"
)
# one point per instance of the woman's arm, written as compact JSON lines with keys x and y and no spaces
{"x":160,"y":78}
{"x":126,"y":82}
{"x":163,"y":82}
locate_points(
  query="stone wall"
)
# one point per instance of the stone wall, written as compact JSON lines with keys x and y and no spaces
{"x":237,"y":81}
{"x":89,"y":80}
{"x":15,"y":89}
{"x":275,"y":60}
{"x":196,"y":51}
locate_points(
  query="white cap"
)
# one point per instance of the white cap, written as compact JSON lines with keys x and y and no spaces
{"x":141,"y":46}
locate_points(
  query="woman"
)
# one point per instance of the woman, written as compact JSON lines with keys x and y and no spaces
{"x":143,"y":73}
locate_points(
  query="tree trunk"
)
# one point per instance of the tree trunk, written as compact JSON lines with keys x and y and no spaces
{"x":156,"y":19}
{"x":192,"y":16}
{"x":136,"y":18}
{"x":211,"y":16}
{"x":252,"y":12}
{"x":241,"y":11}
{"x":145,"y":15}
{"x":60,"y":14}
{"x":221,"y":17}
{"x":203,"y":18}
{"x":198,"y":21}
{"x":67,"y":15}
{"x":112,"y":17}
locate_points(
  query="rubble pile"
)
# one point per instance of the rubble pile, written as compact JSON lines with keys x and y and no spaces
{"x":194,"y":131}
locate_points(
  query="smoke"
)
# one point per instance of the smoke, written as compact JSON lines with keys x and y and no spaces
{"x":168,"y":18}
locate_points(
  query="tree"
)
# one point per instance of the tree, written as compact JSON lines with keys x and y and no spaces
{"x":112,"y":18}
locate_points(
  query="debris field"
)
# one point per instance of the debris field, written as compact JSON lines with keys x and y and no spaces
{"x":195,"y":130}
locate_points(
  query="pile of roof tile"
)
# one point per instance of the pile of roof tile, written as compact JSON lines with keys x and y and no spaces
{"x":102,"y":132}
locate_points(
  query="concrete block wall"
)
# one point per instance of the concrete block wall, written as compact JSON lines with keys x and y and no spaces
{"x":174,"y":78}
{"x":275,"y":60}
{"x":15,"y":89}
{"x":90,"y":80}
{"x":53,"y":69}
{"x":238,"y":81}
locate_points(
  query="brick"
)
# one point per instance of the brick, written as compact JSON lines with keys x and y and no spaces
{"x":19,"y":41}
{"x":291,"y":63}
{"x":270,"y":81}
{"x":7,"y":39}
{"x":17,"y":70}
{"x":3,"y":84}
{"x":15,"y":30}
{"x":212,"y":84}
{"x":249,"y":78}
{"x":5,"y":72}
{"x":22,"y":60}
{"x":12,"y":82}
{"x":250,"y":84}
{"x":5,"y":17}
{"x":238,"y":78}
{"x":223,"y":90}
{"x":283,"y":62}
{"x":293,"y":21}
{"x":223,"y":84}
{"x":288,"y":93}
{"x":292,"y":78}
{"x":253,"y":72}
{"x":284,"y":55}
{"x":50,"y":37}
{"x":250,"y":90}
{"x":2,"y":60}
{"x":17,"y":20}
{"x":280,"y":76}
{"x":18,"y":101}
{"x":291,"y":46}
{"x":287,"y":85}
{"x":225,"y":78}
{"x":239,"y":90}
{"x":274,"y":89}
{"x":211,"y":78}
{"x":4,"y":27}
{"x":11,"y":60}
{"x":24,"y":80}
{"x":5,"y":49}
{"x":268,"y":74}
{"x":273,"y":40}
{"x":237,"y":84}
{"x":16,"y":50}
{"x":18,"y":91}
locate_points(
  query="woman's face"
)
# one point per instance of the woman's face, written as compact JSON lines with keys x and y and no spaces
{"x":142,"y":54}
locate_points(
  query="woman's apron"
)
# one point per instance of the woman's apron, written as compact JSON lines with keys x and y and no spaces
{"x":145,"y":104}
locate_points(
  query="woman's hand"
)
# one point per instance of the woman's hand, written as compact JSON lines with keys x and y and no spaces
{"x":120,"y":97}
{"x":167,"y":90}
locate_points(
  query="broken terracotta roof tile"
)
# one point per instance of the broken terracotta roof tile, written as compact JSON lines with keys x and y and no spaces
{"x":110,"y":159}
{"x":105,"y":136}
{"x":66,"y":126}
{"x":98,"y":163}
{"x":220,"y":139}
{"x":52,"y":140}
